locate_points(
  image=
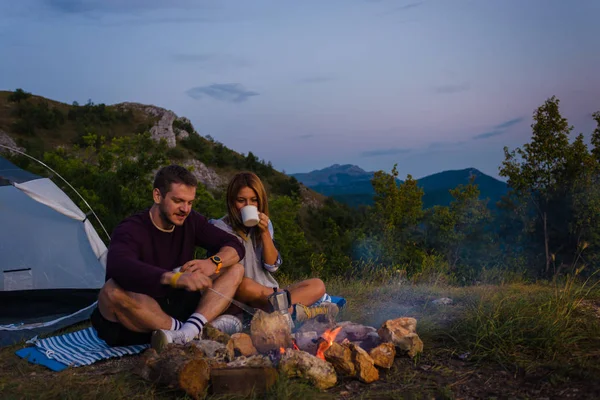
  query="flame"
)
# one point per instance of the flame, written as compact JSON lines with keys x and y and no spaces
{"x":282,"y":350}
{"x":294,"y":345}
{"x":328,"y":337}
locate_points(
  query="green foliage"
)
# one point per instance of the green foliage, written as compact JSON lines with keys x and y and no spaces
{"x":97,"y":119}
{"x":554,"y":185}
{"x":289,"y":237}
{"x":32,"y":115}
{"x":18,"y":95}
{"x":183,"y":124}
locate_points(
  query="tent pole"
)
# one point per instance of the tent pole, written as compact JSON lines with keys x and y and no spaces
{"x":64,"y":180}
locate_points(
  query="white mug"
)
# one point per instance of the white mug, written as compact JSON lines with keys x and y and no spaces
{"x":250,"y":216}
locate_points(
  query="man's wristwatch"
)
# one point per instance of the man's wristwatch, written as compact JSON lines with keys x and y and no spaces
{"x":218,"y":263}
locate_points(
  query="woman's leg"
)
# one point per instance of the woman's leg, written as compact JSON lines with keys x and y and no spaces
{"x":307,"y":292}
{"x":253,"y":293}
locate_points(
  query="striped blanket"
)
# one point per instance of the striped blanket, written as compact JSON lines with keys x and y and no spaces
{"x":80,"y":348}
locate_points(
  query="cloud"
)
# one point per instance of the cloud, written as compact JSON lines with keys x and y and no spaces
{"x":509,"y":123}
{"x":499,"y":129}
{"x":316,"y":79}
{"x":441,"y":145}
{"x":452,"y":88}
{"x":489,"y":134}
{"x":406,"y":7}
{"x":228,"y":92}
{"x":384,"y":152}
{"x":116,"y":6}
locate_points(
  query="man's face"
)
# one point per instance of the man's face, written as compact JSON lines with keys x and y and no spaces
{"x":176,"y":205}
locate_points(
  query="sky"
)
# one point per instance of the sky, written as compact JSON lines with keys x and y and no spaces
{"x":429,"y":85}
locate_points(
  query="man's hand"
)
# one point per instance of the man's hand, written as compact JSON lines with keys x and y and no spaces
{"x":193,"y":281}
{"x":206,"y":267}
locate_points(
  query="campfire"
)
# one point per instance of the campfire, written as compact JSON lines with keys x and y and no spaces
{"x":318,"y":352}
{"x":326,"y":341}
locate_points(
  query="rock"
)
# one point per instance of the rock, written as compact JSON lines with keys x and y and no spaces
{"x":306,"y":341}
{"x":297,"y":363}
{"x":402,"y":332}
{"x":207,"y":176}
{"x":211,"y":333}
{"x":443,"y":301}
{"x":241,"y":344}
{"x":363,"y":364}
{"x":270,"y":331}
{"x":353,"y":331}
{"x":252,"y":361}
{"x":6,"y":140}
{"x":383,"y":355}
{"x":340,"y":357}
{"x":163,"y":127}
{"x":213,"y":349}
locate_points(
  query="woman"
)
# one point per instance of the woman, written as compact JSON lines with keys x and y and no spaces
{"x":262,"y":257}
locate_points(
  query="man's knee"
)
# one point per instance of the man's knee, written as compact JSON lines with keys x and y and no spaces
{"x":114,"y":296}
{"x":237,"y":273}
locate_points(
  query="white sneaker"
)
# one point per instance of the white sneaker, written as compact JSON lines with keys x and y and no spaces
{"x":162,"y":337}
{"x":227,"y":323}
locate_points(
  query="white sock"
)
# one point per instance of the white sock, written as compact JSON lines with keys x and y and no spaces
{"x":193,"y":326}
{"x":175,"y":324}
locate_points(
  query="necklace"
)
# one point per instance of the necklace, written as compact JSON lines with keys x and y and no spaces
{"x":158,"y":227}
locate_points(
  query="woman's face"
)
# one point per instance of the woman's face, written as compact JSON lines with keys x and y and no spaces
{"x":246,"y":197}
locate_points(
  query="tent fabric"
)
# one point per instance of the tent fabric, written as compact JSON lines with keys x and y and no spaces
{"x":46,"y":192}
{"x":48,"y":250}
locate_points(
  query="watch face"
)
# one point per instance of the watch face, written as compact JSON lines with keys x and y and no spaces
{"x":216,"y":258}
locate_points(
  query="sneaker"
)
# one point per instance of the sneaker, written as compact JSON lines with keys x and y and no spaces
{"x":162,"y":337}
{"x":227,"y":323}
{"x":304,"y":313}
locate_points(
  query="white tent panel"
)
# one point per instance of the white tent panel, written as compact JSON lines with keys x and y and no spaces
{"x":41,"y":248}
{"x":47,"y":192}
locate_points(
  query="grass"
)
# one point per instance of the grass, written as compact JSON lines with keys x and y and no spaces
{"x":522,"y":340}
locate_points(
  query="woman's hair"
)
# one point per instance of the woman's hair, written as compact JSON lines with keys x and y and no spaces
{"x":237,"y":183}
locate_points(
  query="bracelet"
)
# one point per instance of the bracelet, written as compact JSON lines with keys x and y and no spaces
{"x":175,"y":278}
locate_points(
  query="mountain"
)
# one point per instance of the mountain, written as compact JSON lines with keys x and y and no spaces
{"x":35,"y":125}
{"x":351,"y":184}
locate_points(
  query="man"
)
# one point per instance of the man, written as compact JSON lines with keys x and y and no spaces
{"x":144,"y":300}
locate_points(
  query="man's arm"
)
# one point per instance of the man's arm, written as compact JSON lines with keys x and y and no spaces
{"x":217,"y":242}
{"x":123,"y":263}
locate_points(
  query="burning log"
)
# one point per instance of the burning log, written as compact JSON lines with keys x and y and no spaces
{"x":297,"y":363}
{"x":241,"y":344}
{"x":383,"y":355}
{"x":364,"y":364}
{"x":340,"y":356}
{"x":402,"y":332}
{"x":183,"y":368}
{"x":325,"y":341}
{"x":211,"y":333}
{"x":270,"y":331}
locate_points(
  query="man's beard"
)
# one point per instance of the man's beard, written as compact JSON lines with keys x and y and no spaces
{"x":164,"y":216}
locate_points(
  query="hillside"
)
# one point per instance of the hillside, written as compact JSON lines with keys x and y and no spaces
{"x":35,"y":124}
{"x":351,"y":185}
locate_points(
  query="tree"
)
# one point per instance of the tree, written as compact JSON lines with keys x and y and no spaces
{"x":556,"y":181}
{"x":460,"y":231}
{"x":18,"y":95}
{"x":398,"y":210}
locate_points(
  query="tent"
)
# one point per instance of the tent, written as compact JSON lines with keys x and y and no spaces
{"x":51,"y":258}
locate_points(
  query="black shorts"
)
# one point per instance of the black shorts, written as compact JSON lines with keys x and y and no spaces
{"x":179,"y":304}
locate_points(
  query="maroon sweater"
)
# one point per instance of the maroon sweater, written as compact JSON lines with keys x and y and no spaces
{"x":139,"y":253}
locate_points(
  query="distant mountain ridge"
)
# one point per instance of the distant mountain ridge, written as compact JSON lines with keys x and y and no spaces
{"x":351,"y":184}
